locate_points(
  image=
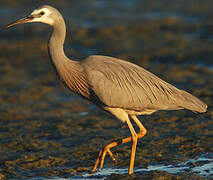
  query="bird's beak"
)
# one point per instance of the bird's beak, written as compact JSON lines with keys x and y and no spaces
{"x":21,"y":21}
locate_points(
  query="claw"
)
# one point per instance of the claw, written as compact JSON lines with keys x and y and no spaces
{"x":102,"y":155}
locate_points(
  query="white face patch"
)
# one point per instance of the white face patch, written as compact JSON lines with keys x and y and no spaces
{"x":45,"y":18}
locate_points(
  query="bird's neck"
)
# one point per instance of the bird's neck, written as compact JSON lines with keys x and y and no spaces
{"x":70,"y":72}
{"x":56,"y":45}
{"x":56,"y":48}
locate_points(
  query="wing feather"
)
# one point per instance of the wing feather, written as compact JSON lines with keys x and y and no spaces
{"x":119,"y":83}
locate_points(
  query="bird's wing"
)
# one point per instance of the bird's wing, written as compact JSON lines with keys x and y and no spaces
{"x":119,"y":83}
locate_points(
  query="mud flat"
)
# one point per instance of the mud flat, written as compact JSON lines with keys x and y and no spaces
{"x":46,"y":132}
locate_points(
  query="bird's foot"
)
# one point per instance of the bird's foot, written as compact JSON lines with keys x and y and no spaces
{"x":101,"y":156}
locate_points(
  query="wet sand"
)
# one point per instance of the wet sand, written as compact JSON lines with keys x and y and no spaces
{"x":48,"y":132}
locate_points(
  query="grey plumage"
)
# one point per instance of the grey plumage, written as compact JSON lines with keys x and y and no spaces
{"x":119,"y":87}
{"x":126,"y":85}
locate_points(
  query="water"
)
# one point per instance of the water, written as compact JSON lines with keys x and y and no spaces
{"x":202,"y":166}
{"x":110,"y":13}
{"x":205,"y":66}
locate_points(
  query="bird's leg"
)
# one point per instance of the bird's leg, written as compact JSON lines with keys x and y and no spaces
{"x":107,"y":148}
{"x":143,"y":130}
{"x":134,"y":144}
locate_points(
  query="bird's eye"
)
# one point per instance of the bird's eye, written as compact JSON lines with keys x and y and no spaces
{"x":42,"y":13}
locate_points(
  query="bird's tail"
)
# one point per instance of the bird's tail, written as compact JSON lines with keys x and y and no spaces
{"x":192,"y":103}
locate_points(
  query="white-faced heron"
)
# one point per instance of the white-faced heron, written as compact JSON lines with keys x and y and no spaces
{"x":117,"y":86}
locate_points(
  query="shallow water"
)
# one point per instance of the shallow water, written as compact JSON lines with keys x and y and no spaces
{"x":202,"y":166}
{"x":110,"y":13}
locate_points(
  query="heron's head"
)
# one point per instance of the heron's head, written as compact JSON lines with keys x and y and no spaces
{"x":44,"y":14}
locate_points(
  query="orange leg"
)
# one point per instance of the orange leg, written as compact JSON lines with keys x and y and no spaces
{"x":133,"y":138}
